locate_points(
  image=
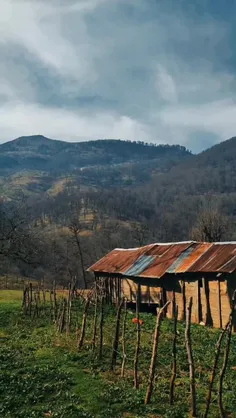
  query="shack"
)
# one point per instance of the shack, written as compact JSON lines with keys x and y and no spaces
{"x":174,"y":271}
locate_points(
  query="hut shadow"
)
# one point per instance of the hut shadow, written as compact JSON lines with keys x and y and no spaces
{"x":208,"y":318}
{"x":231,"y":288}
{"x":144,"y":307}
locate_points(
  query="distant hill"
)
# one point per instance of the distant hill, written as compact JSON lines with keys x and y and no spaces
{"x":211,"y":171}
{"x":35,"y":163}
{"x":40,"y":153}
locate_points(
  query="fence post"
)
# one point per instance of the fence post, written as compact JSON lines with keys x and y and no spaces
{"x":68,"y":313}
{"x":226,"y":357}
{"x":188,"y":343}
{"x":101,"y":328}
{"x":154,"y":353}
{"x":116,"y":337}
{"x":174,"y":352}
{"x":95,"y":317}
{"x":83,"y":327}
{"x":123,"y":339}
{"x":213,"y":373}
{"x":137,"y":349}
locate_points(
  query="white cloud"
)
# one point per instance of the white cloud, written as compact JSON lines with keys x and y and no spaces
{"x":217,"y":117}
{"x":19,"y":119}
{"x":165,"y":85}
{"x":114,"y":68}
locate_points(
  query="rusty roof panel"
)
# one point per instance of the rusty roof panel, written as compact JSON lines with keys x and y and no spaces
{"x":140,"y":265}
{"x":155,"y":260}
{"x":214,"y":258}
{"x":161,"y":264}
{"x":198,"y":251}
{"x":230,"y":266}
{"x":180,"y":260}
{"x":159,"y":250}
{"x":118,"y":260}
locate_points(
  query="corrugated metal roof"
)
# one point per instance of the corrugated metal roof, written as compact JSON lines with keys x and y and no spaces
{"x":156,"y":260}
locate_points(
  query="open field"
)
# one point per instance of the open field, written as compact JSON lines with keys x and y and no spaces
{"x":44,"y":374}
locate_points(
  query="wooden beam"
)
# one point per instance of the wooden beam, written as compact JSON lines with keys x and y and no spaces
{"x":198,"y":306}
{"x":219,"y":301}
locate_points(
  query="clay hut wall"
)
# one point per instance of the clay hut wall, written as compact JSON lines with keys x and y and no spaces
{"x":211,"y":298}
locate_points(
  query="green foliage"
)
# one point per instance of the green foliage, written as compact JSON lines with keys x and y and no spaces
{"x":40,"y":153}
{"x":42,"y":371}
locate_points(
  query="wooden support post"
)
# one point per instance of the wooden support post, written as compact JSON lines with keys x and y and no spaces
{"x":36,"y":308}
{"x":24,"y":301}
{"x":110,"y":291}
{"x":123,"y":340}
{"x":62,"y":316}
{"x":51,"y":306}
{"x":164,"y":300}
{"x":226,"y":357}
{"x":154,"y":353}
{"x":208,"y":319}
{"x":188,"y":343}
{"x":137,"y":349}
{"x":198,"y":303}
{"x":83,"y":326}
{"x":44,"y":298}
{"x":68,"y":313}
{"x":54,"y":300}
{"x":213,"y":373}
{"x":183,"y":310}
{"x":101,"y":328}
{"x":219,"y":302}
{"x":95,"y":316}
{"x":30,"y":298}
{"x":116,"y":337}
{"x":174,"y":352}
{"x":149,"y":296}
{"x":173,"y":305}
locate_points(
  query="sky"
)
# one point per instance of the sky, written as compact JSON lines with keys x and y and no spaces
{"x":159,"y":71}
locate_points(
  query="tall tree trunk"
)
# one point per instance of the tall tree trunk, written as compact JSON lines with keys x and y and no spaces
{"x":81,"y":259}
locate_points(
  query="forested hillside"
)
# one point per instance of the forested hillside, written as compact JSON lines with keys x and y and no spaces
{"x":36,"y":164}
{"x":140,"y":194}
{"x":40,"y":153}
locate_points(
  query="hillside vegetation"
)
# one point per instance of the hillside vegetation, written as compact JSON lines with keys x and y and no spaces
{"x":44,"y":374}
{"x":36,"y":164}
{"x":140,"y":194}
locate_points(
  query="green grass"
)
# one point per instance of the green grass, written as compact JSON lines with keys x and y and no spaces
{"x":11,"y":296}
{"x":43,"y":373}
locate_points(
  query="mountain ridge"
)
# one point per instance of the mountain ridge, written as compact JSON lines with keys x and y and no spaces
{"x":39,"y":152}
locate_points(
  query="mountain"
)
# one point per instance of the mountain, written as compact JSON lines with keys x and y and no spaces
{"x":211,"y":171}
{"x":38,"y":152}
{"x":36,"y":163}
{"x":115,"y":193}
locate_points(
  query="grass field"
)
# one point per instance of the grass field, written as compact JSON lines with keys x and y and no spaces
{"x":44,"y":375}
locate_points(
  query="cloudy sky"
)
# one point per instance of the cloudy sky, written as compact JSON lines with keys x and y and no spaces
{"x":155,"y":70}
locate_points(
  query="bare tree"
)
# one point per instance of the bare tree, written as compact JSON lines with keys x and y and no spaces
{"x":211,"y":225}
{"x":75,"y":228}
{"x":19,"y":237}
